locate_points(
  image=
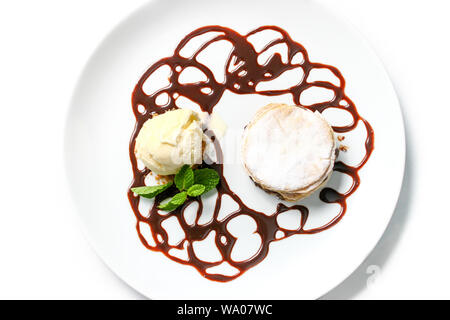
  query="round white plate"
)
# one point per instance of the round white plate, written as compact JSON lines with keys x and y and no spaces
{"x":101,"y":121}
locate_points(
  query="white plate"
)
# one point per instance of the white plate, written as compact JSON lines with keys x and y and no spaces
{"x":101,"y":121}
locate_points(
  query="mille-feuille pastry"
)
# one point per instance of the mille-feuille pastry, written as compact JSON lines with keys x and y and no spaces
{"x":288,"y":150}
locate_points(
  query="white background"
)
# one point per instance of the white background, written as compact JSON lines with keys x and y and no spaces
{"x":43,"y":48}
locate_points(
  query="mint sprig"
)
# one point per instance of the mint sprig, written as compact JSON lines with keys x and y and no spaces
{"x":189,"y":182}
{"x":176,"y":201}
{"x":196,"y":190}
{"x":207,"y":177}
{"x":151,"y":191}
{"x":184,"y":179}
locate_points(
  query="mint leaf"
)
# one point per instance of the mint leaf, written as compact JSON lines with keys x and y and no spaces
{"x":196,"y":190}
{"x":207,"y":177}
{"x":184,"y":179}
{"x":175,"y":202}
{"x":151,"y":191}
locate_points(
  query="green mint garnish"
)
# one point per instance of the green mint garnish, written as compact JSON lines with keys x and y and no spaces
{"x":152,"y":191}
{"x":196,"y":190}
{"x":184,"y":179}
{"x":192,"y":183}
{"x":175,"y":202}
{"x":207,"y":177}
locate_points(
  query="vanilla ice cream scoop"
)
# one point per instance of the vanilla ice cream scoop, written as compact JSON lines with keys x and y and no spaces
{"x":168,"y":141}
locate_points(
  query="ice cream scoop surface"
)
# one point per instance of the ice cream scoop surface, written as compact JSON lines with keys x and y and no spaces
{"x":168,"y":141}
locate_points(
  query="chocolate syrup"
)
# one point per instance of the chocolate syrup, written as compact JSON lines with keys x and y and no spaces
{"x":244,"y":55}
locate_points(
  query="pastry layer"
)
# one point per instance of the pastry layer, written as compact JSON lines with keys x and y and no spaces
{"x":288,"y":150}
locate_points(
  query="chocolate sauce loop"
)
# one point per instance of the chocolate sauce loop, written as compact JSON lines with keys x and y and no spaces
{"x":243,"y":80}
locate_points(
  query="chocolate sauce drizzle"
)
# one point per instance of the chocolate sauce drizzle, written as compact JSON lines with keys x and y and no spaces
{"x":243,"y":80}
